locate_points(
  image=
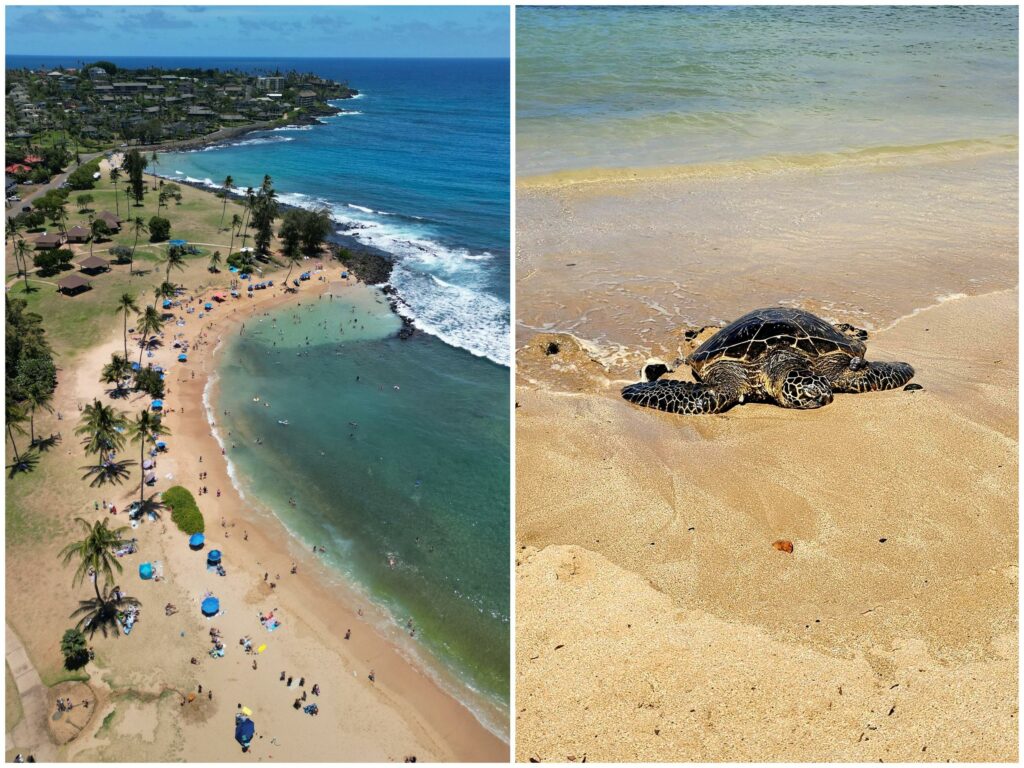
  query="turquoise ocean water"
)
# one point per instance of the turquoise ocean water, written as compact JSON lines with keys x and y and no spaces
{"x":645,"y":86}
{"x":402,"y":475}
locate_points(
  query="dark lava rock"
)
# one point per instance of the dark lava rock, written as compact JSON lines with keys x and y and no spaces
{"x":912,"y":387}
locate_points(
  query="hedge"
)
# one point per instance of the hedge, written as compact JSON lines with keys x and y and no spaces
{"x":184,"y":511}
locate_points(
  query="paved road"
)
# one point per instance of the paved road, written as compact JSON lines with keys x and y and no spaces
{"x":53,"y":183}
{"x":30,"y":736}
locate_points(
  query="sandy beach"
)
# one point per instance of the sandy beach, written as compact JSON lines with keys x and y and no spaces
{"x":142,"y":682}
{"x":655,"y":620}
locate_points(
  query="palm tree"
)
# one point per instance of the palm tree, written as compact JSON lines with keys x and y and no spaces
{"x":250,"y":197}
{"x":175,"y":258}
{"x":37,"y":399}
{"x":100,"y":612}
{"x":115,"y":174}
{"x":165,"y":290}
{"x":15,"y":416}
{"x":149,"y":324}
{"x":125,"y":305}
{"x":102,"y":427}
{"x":22,"y":251}
{"x":116,"y":372}
{"x":215,"y":262}
{"x":95,"y":553}
{"x":228,"y":184}
{"x":92,"y":234}
{"x":138,"y":227}
{"x":145,"y":430}
{"x":236,"y":222}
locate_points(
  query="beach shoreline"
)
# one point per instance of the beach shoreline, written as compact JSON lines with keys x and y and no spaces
{"x":656,"y":621}
{"x":410,"y":709}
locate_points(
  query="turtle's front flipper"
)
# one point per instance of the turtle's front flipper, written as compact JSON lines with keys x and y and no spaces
{"x":680,"y":396}
{"x":873,"y":377}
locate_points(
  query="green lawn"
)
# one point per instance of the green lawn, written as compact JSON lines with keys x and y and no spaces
{"x":75,"y":323}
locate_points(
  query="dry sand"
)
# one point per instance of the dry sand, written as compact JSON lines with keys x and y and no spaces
{"x":654,"y":619}
{"x":142,"y":679}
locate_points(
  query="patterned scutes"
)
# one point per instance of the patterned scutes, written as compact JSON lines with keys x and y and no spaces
{"x":756,"y":333}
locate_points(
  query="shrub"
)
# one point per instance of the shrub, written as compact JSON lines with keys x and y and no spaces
{"x":184,"y":511}
{"x":121,"y":253}
{"x":51,"y":262}
{"x":159,"y":229}
{"x":81,"y":177}
{"x":75,"y":649}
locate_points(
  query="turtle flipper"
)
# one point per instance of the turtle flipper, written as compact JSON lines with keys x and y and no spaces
{"x":684,"y":397}
{"x":874,"y":377}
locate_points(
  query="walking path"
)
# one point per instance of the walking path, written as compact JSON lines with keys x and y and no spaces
{"x":30,"y":736}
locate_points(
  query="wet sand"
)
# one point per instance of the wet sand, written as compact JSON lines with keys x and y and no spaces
{"x":655,"y":620}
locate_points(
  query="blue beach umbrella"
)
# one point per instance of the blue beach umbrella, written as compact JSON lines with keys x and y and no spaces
{"x":245,"y":729}
{"x":182,"y":358}
{"x":146,"y":571}
{"x":167,"y":303}
{"x":196,"y":540}
{"x":161,"y":445}
{"x":211,"y":606}
{"x":135,"y":366}
{"x":156,"y":405}
{"x":213,"y":557}
{"x":207,"y":306}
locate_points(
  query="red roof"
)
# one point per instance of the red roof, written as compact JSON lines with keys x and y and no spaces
{"x":17,"y":168}
{"x":33,"y":159}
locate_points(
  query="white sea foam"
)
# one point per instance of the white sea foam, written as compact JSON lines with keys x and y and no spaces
{"x":248,"y":143}
{"x":443,"y":290}
{"x":292,"y":128}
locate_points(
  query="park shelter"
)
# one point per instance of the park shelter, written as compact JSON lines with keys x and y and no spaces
{"x":79,"y":234}
{"x":92,"y":265}
{"x":49,"y":242}
{"x":73,"y":284}
{"x":113,"y":222}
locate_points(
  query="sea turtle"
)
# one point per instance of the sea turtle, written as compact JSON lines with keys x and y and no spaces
{"x":780,"y":355}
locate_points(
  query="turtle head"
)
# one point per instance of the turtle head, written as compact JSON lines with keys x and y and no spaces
{"x":653,"y":370}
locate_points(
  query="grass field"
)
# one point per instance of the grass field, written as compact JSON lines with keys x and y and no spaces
{"x":74,"y":323}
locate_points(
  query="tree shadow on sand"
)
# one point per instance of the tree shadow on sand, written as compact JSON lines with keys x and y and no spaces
{"x":108,"y":472}
{"x":26,"y":462}
{"x":44,"y":444}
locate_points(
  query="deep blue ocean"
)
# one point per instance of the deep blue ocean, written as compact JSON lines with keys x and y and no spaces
{"x":396,"y":455}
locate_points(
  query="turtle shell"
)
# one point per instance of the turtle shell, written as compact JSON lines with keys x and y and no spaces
{"x":754,"y":335}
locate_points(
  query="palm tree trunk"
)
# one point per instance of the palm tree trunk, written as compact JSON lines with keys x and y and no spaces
{"x":117,"y":201}
{"x":14,"y":446}
{"x":126,"y":334}
{"x":32,"y":425}
{"x":131,"y":259}
{"x":142,"y":350}
{"x":223,"y":211}
{"x":142,"y":480}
